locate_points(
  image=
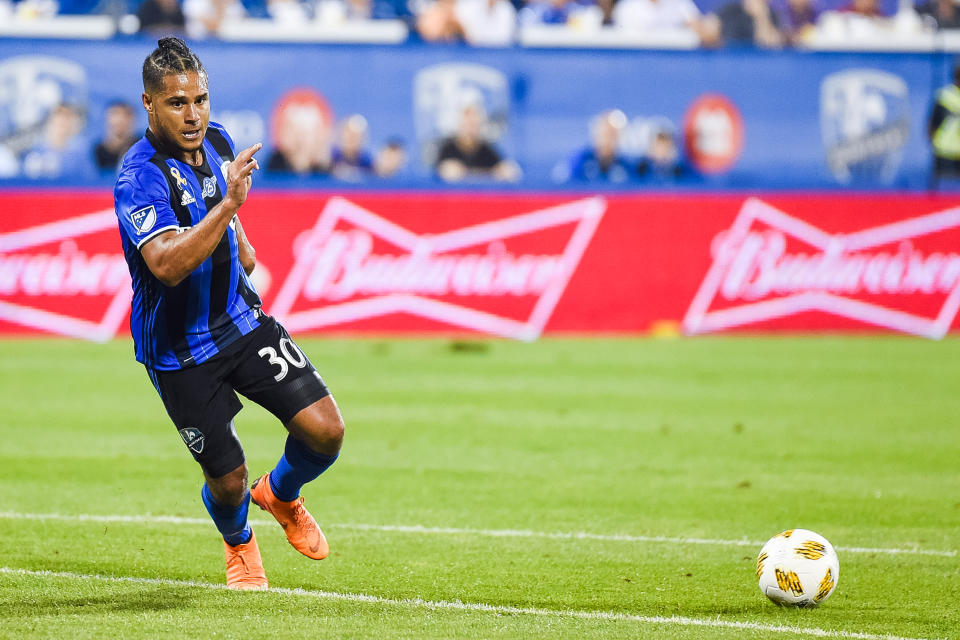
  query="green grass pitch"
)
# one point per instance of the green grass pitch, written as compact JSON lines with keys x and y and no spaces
{"x":675,"y":458}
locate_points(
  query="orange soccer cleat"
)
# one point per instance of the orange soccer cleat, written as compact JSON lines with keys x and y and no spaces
{"x":244,"y":567}
{"x":301,"y":529}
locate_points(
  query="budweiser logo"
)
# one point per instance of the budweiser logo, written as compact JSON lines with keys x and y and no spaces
{"x":31,"y":275}
{"x":354,"y":264}
{"x":68,"y":272}
{"x":347,"y":267}
{"x":881,"y":276}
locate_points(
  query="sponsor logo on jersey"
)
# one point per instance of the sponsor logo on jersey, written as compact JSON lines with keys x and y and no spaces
{"x":354,"y":264}
{"x":144,"y":219}
{"x":187,"y":198}
{"x":769,"y":265}
{"x":209,"y":187}
{"x":193,"y":438}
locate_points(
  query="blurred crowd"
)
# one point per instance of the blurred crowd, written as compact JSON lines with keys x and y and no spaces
{"x":304,"y":145}
{"x":71,"y":143}
{"x":497,"y":23}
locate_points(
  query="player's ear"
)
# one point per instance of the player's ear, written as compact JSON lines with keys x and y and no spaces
{"x":147,"y":101}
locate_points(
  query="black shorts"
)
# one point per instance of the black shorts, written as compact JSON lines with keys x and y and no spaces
{"x":265,"y":366}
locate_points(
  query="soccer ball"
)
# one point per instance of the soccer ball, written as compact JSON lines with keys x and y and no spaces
{"x":798,"y":568}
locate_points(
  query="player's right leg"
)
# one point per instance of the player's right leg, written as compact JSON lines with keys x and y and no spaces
{"x":228,"y":501}
{"x":202,"y":407}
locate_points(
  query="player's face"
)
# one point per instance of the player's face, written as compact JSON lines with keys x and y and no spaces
{"x":180,"y":112}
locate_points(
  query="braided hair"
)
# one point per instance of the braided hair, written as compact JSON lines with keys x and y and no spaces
{"x":172,"y":56}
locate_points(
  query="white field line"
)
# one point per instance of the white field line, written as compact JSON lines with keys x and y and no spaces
{"x":456,"y":605}
{"x":492,"y":533}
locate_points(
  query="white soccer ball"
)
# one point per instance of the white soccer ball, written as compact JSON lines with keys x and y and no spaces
{"x":798,"y":568}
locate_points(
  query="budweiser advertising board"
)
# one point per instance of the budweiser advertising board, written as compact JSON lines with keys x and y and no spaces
{"x":518,"y":266}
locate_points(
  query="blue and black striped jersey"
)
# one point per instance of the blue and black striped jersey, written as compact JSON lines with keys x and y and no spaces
{"x":177,"y":327}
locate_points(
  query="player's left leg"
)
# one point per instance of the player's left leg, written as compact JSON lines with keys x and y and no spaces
{"x":278,"y":376}
{"x":313,"y":443}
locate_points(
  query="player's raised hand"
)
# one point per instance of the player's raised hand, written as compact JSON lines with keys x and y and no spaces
{"x":240,"y":172}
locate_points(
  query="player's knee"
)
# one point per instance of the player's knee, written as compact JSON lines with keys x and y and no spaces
{"x":326,"y":435}
{"x":335,"y":431}
{"x":229,"y":489}
{"x":320,"y":426}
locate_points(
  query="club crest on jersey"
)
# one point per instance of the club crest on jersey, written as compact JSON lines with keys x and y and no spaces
{"x":181,"y":181}
{"x":186,"y":198}
{"x":144,"y":219}
{"x":209,"y":187}
{"x":193,"y":439}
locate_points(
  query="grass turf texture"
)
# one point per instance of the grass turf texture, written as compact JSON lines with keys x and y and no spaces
{"x":730,"y":438}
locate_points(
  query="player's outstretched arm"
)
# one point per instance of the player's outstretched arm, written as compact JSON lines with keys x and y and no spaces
{"x":173,"y":256}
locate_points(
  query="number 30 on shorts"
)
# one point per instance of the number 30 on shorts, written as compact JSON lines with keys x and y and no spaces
{"x":291,"y":353}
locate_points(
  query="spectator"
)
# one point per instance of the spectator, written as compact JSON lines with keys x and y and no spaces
{"x":467,"y":153}
{"x":943,"y":129}
{"x":865,"y":8}
{"x":34,"y":9}
{"x":161,"y":17}
{"x":349,"y":159}
{"x":289,"y":12}
{"x":438,"y":22}
{"x":487,"y":23}
{"x":61,"y":153}
{"x":9,"y":164}
{"x":302,"y":143}
{"x":799,"y":20}
{"x":605,"y":8}
{"x":601,"y":160}
{"x":391,"y":159}
{"x":547,"y":11}
{"x":352,"y":10}
{"x":206,"y":17}
{"x":118,"y":136}
{"x":662,"y":159}
{"x":656,"y":15}
{"x":858,"y":20}
{"x":745,"y":22}
{"x":943,"y":12}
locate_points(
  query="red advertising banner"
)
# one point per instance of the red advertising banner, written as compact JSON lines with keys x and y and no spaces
{"x":520,"y":265}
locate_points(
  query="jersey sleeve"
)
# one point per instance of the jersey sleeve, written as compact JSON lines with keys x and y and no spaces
{"x":142,"y":204}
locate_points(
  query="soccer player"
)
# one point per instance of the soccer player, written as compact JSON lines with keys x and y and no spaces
{"x":196,"y":318}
